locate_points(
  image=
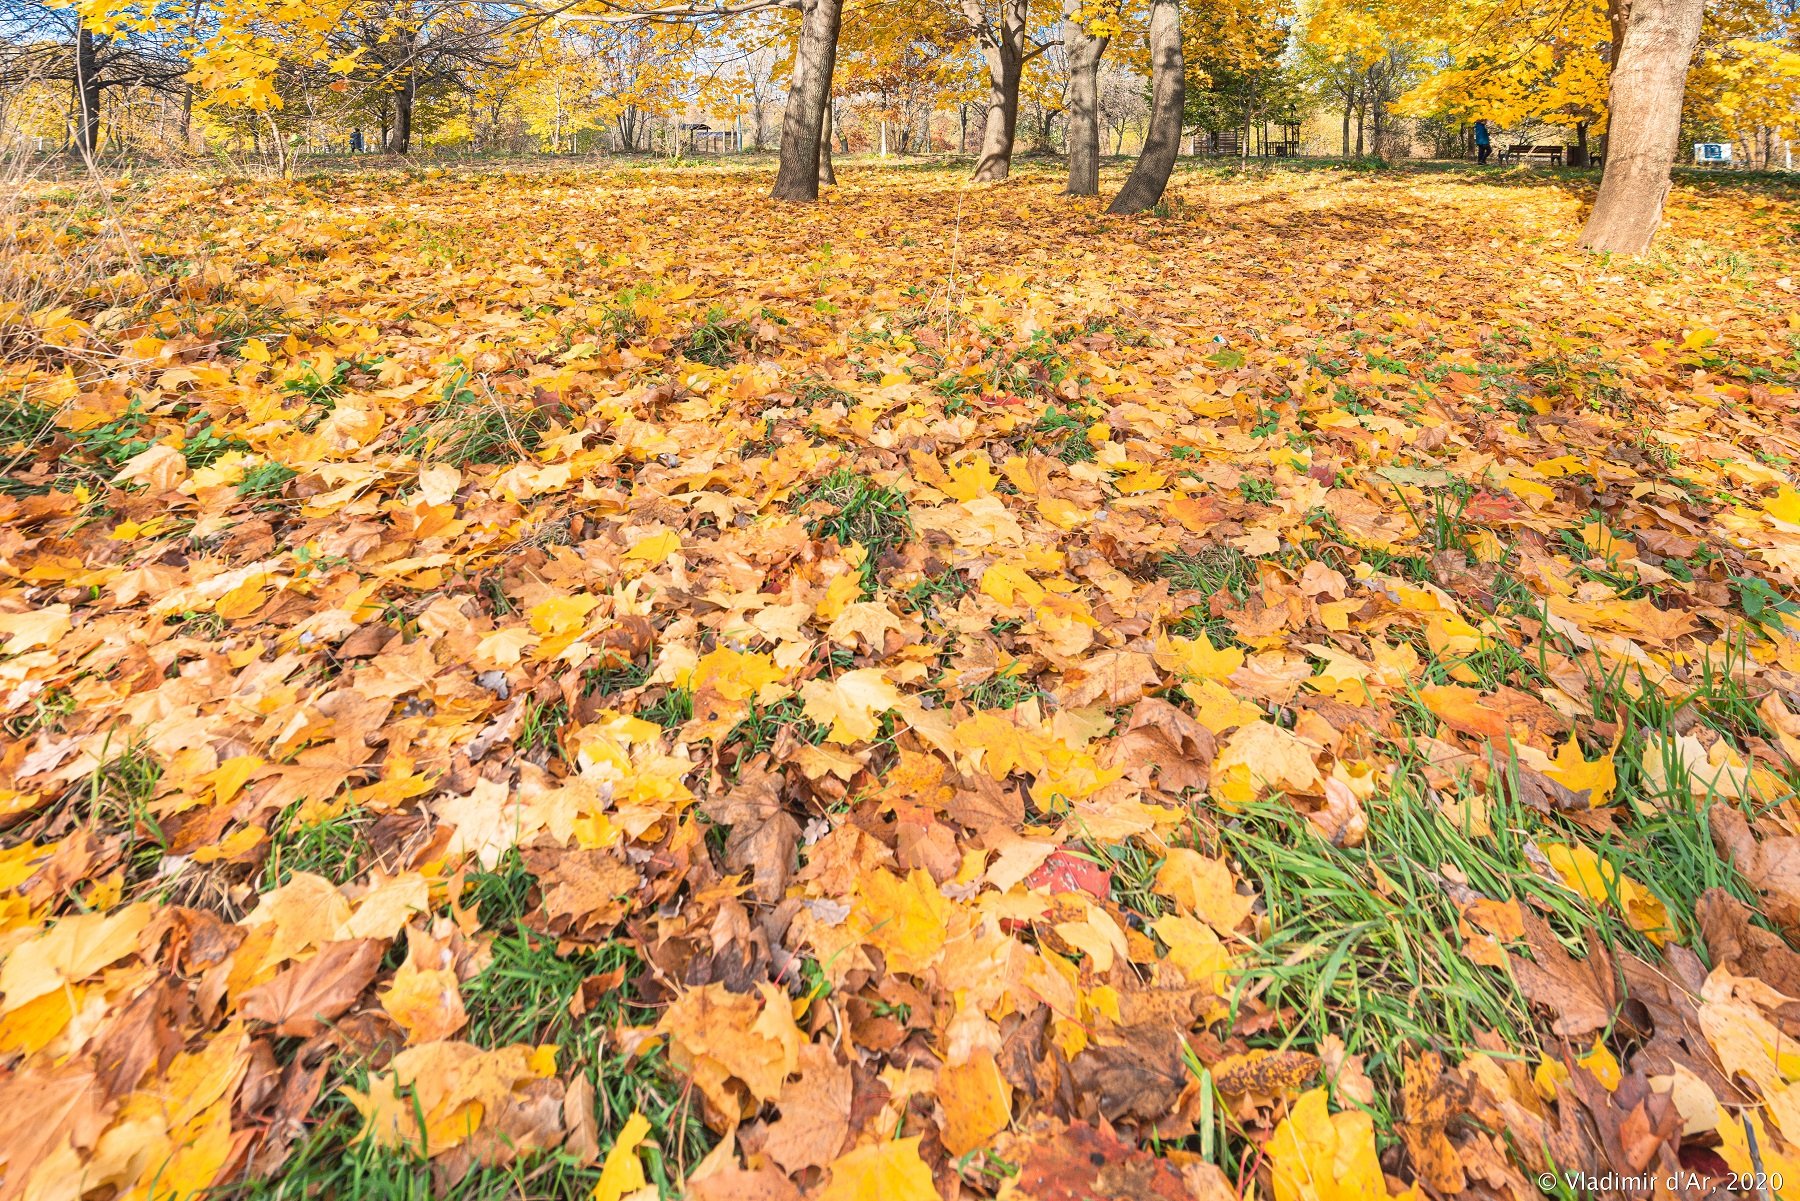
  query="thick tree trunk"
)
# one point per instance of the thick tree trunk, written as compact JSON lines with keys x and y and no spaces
{"x":400,"y":135}
{"x":1648,"y":81}
{"x":827,"y":174}
{"x":87,"y":90}
{"x":1003,"y":50}
{"x":1162,"y":140}
{"x":1084,"y":51}
{"x":809,"y":95}
{"x":1579,"y":156}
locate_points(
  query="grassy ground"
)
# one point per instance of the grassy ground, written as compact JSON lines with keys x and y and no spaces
{"x":502,"y":530}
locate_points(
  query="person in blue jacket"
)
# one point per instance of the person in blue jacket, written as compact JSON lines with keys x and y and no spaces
{"x":1484,"y":143}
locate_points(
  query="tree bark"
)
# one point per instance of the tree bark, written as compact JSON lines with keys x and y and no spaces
{"x":827,"y":174}
{"x":87,"y":90}
{"x":1162,"y":140}
{"x":400,"y":134}
{"x":1645,"y":96}
{"x":1084,"y":51}
{"x":1003,"y":50}
{"x":809,"y":95}
{"x":1579,"y":157}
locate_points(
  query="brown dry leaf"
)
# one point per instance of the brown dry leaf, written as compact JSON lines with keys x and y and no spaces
{"x":815,"y":1113}
{"x":1579,"y":994}
{"x":1080,"y":1161}
{"x":762,"y":834}
{"x":302,"y":999}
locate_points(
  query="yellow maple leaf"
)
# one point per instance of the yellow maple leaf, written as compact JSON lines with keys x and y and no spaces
{"x":850,"y":703}
{"x":70,"y":951}
{"x":1197,"y":658}
{"x":424,"y":997}
{"x":1204,"y":887}
{"x":623,"y":1171}
{"x":1316,"y":1155}
{"x":1600,"y":882}
{"x":654,"y":549}
{"x":561,"y":614}
{"x":891,"y":1171}
{"x":1008,"y":583}
{"x":735,"y":675}
{"x":907,"y":919}
{"x":1784,"y":506}
{"x":1574,"y":771}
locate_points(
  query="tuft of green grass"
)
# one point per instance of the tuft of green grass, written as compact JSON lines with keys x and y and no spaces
{"x":264,"y":480}
{"x":23,"y":424}
{"x":855,"y":511}
{"x":462,"y":429}
{"x":1066,"y":427}
{"x":756,"y":733}
{"x":1003,"y":690}
{"x":522,"y":996}
{"x":717,"y":340}
{"x":540,"y":730}
{"x":944,"y":589}
{"x":334,"y":848}
{"x":610,"y":678}
{"x":1213,"y":570}
{"x":673,"y":709}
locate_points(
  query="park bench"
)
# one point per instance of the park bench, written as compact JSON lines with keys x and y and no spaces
{"x":1553,"y":154}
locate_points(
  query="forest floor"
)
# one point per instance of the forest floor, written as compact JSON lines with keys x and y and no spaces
{"x":563,"y":684}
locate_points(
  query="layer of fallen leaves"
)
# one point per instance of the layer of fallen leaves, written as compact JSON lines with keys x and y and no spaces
{"x":870,"y":623}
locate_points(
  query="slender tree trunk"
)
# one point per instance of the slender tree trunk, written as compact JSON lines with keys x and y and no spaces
{"x":1648,"y":81}
{"x":1084,"y":51}
{"x":400,"y":135}
{"x":1349,"y":103}
{"x":1162,"y":140}
{"x":1003,"y":50}
{"x":827,"y":174}
{"x":87,"y":89}
{"x":809,"y":95}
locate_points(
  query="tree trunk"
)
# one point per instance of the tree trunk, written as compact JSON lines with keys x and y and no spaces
{"x":1084,"y":51}
{"x":827,"y":174}
{"x":809,"y":95}
{"x":400,"y":135}
{"x":1003,"y":50}
{"x":1579,"y":157}
{"x":1162,"y":140}
{"x":1349,"y":102}
{"x":1645,"y":102}
{"x":87,"y":90}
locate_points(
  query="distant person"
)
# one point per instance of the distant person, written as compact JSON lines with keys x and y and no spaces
{"x":356,"y":142}
{"x":1484,"y":143}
